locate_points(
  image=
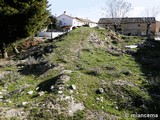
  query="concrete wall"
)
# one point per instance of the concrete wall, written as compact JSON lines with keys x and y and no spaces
{"x":48,"y":34}
{"x":77,"y":23}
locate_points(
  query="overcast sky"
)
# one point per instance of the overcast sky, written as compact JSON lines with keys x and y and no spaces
{"x":92,"y":9}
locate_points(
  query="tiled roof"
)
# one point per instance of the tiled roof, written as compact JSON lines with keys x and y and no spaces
{"x":67,"y":16}
{"x":80,"y":19}
{"x":84,"y":20}
{"x":128,"y":20}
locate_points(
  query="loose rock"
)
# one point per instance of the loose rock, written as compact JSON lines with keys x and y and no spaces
{"x":24,"y":103}
{"x":73,"y":87}
{"x":60,"y":92}
{"x":67,"y":71}
{"x":1,"y":97}
{"x":65,"y":78}
{"x":30,"y":92}
{"x":41,"y":93}
{"x":100,"y":91}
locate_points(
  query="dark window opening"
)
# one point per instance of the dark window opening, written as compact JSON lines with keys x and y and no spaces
{"x":119,"y":29}
{"x":129,"y":34}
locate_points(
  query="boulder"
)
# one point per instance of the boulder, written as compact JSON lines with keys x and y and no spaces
{"x":30,"y":92}
{"x":100,"y":91}
{"x":73,"y":87}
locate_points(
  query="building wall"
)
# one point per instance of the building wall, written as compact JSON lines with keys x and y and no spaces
{"x":133,"y":28}
{"x":64,"y":20}
{"x":105,"y":25}
{"x":157,"y":26}
{"x":77,"y":23}
{"x":71,"y":22}
{"x":92,"y":25}
{"x":138,"y":28}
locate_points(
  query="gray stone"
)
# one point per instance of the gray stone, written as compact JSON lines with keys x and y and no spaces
{"x":37,"y":88}
{"x":100,"y":90}
{"x":73,"y":87}
{"x":67,"y":71}
{"x":24,"y":103}
{"x":1,"y":97}
{"x":52,"y":87}
{"x":71,"y":91}
{"x":30,"y":92}
{"x":100,"y":99}
{"x":65,"y":78}
{"x":60,"y":88}
{"x":60,"y":92}
{"x":8,"y":101}
{"x":74,"y":107}
{"x":41,"y":93}
{"x":97,"y":99}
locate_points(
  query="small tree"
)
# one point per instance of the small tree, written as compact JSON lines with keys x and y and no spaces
{"x":150,"y":12}
{"x":20,"y":19}
{"x":54,"y":22}
{"x":117,"y":9}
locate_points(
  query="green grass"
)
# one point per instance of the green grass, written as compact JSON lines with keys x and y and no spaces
{"x":93,"y":68}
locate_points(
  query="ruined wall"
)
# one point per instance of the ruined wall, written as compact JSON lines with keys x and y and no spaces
{"x":138,"y":28}
{"x":157,"y":27}
{"x":131,"y":26}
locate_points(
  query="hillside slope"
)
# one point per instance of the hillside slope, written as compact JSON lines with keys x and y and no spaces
{"x":86,"y":74}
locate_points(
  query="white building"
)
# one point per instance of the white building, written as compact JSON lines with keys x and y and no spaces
{"x":67,"y":22}
{"x":87,"y":22}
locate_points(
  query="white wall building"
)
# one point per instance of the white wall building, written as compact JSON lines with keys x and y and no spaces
{"x":87,"y":22}
{"x":67,"y":22}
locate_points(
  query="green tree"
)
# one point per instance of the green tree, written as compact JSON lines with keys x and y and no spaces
{"x":20,"y":19}
{"x":53,"y":23}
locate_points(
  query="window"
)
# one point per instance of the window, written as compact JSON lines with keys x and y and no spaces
{"x":139,"y":25}
{"x":60,"y":22}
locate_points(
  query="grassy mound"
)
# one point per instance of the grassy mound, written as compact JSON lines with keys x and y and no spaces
{"x":84,"y":74}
